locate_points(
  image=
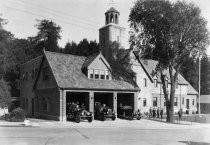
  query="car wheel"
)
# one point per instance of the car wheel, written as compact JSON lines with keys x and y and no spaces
{"x":138,"y":117}
{"x":90,"y":119}
{"x":113,"y":118}
{"x":77,"y":119}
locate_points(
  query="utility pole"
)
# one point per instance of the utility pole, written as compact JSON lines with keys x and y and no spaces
{"x":199,"y":83}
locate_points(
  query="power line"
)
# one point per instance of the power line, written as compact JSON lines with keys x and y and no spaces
{"x":61,"y":15}
{"x":90,"y":22}
{"x":35,"y":14}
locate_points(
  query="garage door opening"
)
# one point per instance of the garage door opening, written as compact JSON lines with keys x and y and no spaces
{"x":81,"y":98}
{"x":104,"y":98}
{"x":125,"y":99}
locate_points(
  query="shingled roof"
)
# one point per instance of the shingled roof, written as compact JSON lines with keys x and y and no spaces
{"x":67,"y":70}
{"x":112,"y":9}
{"x":150,"y":66}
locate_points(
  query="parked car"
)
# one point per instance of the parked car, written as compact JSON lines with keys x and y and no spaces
{"x":102,"y":112}
{"x":77,"y":114}
{"x":127,"y":112}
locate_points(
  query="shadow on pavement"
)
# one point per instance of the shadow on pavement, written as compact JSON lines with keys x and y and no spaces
{"x":194,"y":143}
{"x":164,"y":121}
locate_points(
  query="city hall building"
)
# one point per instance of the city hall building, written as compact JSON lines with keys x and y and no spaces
{"x":49,"y":82}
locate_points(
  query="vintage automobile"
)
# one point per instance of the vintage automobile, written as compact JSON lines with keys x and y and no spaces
{"x":127,"y":112}
{"x":102,"y":112}
{"x":77,"y":114}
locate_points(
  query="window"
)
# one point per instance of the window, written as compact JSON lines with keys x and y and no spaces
{"x":175,"y":101}
{"x":33,"y":73}
{"x":145,"y":82}
{"x":107,"y":74}
{"x":183,"y":100}
{"x":155,"y":83}
{"x":155,"y":101}
{"x":91,"y":73}
{"x":166,"y":83}
{"x":118,"y":39}
{"x":164,"y":102}
{"x":96,"y":72}
{"x":102,"y":75}
{"x":193,"y":102}
{"x":45,"y":105}
{"x":46,"y":73}
{"x":144,"y":102}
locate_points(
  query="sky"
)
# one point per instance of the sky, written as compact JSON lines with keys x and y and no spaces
{"x":78,"y":19}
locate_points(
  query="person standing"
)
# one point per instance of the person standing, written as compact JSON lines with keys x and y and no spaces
{"x":180,"y":114}
{"x":154,"y":113}
{"x":161,"y":113}
{"x":158,"y":112}
{"x":150,"y":112}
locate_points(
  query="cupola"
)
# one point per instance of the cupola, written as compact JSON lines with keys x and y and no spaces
{"x":112,"y":16}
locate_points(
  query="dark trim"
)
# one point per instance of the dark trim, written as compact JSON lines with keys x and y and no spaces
{"x":143,"y":67}
{"x":99,"y":89}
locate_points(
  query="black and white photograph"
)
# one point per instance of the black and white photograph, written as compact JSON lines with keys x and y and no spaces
{"x":105,"y":72}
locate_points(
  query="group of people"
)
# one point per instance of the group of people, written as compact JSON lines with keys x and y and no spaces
{"x":75,"y":106}
{"x":156,"y":113}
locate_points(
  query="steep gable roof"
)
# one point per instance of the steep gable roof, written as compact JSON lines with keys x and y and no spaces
{"x":91,"y":58}
{"x":67,"y":70}
{"x":150,"y":66}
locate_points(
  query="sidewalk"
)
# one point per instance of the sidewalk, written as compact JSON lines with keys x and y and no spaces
{"x":118,"y":123}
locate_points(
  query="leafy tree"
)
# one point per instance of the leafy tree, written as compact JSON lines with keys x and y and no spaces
{"x":171,"y":32}
{"x":70,"y":48}
{"x":205,"y":76}
{"x":84,"y":48}
{"x":5,"y":45}
{"x":47,"y":37}
{"x":5,"y":96}
{"x":119,"y":61}
{"x":189,"y":70}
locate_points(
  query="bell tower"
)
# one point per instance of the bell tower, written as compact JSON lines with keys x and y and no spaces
{"x":111,"y":32}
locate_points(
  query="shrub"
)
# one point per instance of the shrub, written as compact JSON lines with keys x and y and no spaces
{"x":4,"y":117}
{"x":17,"y":115}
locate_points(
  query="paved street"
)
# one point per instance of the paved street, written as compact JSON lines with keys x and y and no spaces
{"x":107,"y":133}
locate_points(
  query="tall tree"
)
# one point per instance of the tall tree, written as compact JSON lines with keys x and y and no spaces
{"x":84,"y":48}
{"x":5,"y":47}
{"x":205,"y":76}
{"x":47,"y":37}
{"x":189,"y":70}
{"x":171,"y":33}
{"x":5,"y":96}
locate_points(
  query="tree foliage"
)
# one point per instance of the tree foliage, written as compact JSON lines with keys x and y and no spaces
{"x":84,"y":48}
{"x":47,"y":36}
{"x":5,"y":96}
{"x":5,"y":45}
{"x":169,"y":33}
{"x":205,"y":75}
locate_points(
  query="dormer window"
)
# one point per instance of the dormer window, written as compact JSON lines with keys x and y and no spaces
{"x":91,"y":73}
{"x":96,"y":72}
{"x":102,"y":76}
{"x":99,"y":74}
{"x":107,"y":75}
